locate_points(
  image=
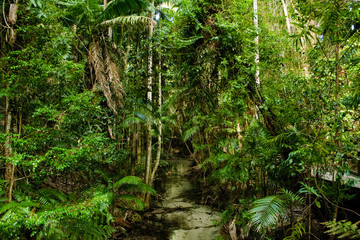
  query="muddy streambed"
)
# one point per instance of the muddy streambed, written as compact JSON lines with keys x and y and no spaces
{"x":177,"y":215}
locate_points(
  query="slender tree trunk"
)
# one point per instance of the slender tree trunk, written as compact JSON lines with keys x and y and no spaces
{"x":288,"y":23}
{"x":256,"y":40}
{"x":337,"y":86}
{"x":238,"y":128}
{"x":149,"y":99}
{"x":9,"y":167}
{"x":158,"y":154}
{"x":139,"y":144}
{"x":134,"y":149}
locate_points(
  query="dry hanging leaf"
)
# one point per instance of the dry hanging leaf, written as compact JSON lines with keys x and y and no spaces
{"x":13,"y":13}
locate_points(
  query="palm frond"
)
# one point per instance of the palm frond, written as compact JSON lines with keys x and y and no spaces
{"x":343,"y":228}
{"x":309,"y":190}
{"x":130,"y":121}
{"x":128,"y":20}
{"x":133,"y":184}
{"x":139,"y":204}
{"x":191,"y":132}
{"x":297,"y":231}
{"x":292,"y":197}
{"x":50,"y":195}
{"x":125,"y":7}
{"x":84,"y":229}
{"x":146,"y":115}
{"x":15,"y":205}
{"x":267,"y":211}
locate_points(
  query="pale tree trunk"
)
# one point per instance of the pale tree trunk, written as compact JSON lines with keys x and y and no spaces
{"x":133,"y":155}
{"x":149,"y":99}
{"x":238,"y":128}
{"x":337,"y":134}
{"x":256,"y":40}
{"x":158,"y":154}
{"x":288,"y":22}
{"x":9,"y":167}
{"x":139,"y":146}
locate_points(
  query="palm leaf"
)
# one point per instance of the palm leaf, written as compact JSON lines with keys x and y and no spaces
{"x":267,"y":212}
{"x":190,"y":132}
{"x":292,"y":197}
{"x":50,"y":195}
{"x":139,"y":204}
{"x":343,"y":228}
{"x":309,"y":190}
{"x":14,"y":205}
{"x":128,"y":20}
{"x":124,"y":7}
{"x":130,"y":121}
{"x":133,"y":184}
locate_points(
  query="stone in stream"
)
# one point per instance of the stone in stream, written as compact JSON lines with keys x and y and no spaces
{"x":195,"y":234}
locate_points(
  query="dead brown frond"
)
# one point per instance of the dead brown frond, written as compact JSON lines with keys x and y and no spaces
{"x":107,"y":76}
{"x":13,"y":13}
{"x":115,"y":83}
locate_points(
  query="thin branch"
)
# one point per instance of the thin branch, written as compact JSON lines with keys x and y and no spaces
{"x":3,"y":9}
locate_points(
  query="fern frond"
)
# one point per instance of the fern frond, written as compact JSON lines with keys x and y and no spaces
{"x":50,"y":195}
{"x":130,"y":121}
{"x":297,"y":231}
{"x":139,"y":204}
{"x":190,"y":132}
{"x":133,"y":184}
{"x":309,"y":190}
{"x":267,"y":212}
{"x":128,"y":20}
{"x":14,"y":205}
{"x":125,"y":7}
{"x":343,"y":228}
{"x":292,"y":197}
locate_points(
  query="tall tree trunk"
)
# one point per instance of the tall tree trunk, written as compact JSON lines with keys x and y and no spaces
{"x":256,"y":40}
{"x":149,"y":99}
{"x":238,"y":129}
{"x":134,"y":149}
{"x":288,"y":23}
{"x":139,"y":144}
{"x":158,"y":154}
{"x":9,"y":167}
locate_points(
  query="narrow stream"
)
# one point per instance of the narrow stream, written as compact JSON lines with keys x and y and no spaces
{"x":178,"y":216}
{"x":184,"y":217}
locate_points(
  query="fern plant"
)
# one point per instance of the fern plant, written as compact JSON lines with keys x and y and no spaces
{"x":344,"y":229}
{"x":267,"y":212}
{"x":126,"y":188}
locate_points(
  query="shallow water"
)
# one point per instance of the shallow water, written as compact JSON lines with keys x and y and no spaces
{"x":184,"y":218}
{"x":177,"y":216}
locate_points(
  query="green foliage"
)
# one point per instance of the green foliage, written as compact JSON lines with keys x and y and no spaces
{"x":53,"y":216}
{"x":297,"y":232}
{"x":343,"y":228}
{"x":267,"y":212}
{"x":133,"y":184}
